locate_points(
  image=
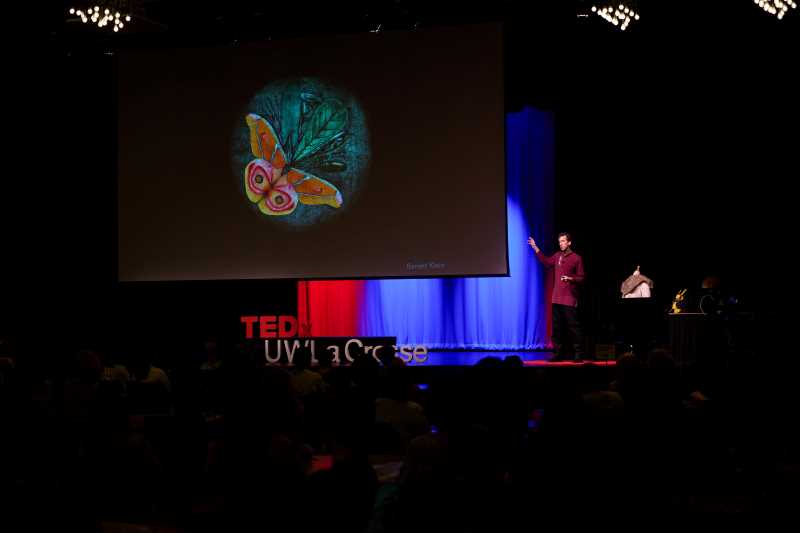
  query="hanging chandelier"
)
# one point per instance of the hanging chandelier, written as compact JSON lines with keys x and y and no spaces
{"x":776,"y":7}
{"x":113,"y":14}
{"x":620,"y":15}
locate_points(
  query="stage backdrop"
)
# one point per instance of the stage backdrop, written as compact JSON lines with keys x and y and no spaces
{"x":506,"y":313}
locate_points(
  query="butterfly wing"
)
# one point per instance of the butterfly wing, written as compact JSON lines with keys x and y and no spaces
{"x":269,"y":189}
{"x":265,"y":183}
{"x":280,"y":200}
{"x":312,"y":190}
{"x":264,"y":141}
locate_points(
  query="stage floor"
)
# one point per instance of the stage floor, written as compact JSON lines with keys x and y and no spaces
{"x":470,"y":358}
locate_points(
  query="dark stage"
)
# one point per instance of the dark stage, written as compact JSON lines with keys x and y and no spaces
{"x":530,"y":359}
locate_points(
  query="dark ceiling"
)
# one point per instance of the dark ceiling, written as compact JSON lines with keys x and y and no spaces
{"x":189,"y":23}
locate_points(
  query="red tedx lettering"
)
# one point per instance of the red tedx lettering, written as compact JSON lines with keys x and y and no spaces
{"x":287,"y":326}
{"x":248,"y":321}
{"x":267,"y":326}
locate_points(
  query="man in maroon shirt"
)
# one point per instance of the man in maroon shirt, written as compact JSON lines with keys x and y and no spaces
{"x":568,"y":275}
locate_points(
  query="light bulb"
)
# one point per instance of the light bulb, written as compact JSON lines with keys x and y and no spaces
{"x":72,"y":11}
{"x":127,"y":18}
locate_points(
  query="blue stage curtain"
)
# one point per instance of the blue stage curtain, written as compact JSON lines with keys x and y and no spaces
{"x":507,"y":313}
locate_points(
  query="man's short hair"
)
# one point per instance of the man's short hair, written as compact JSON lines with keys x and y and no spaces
{"x":565,"y":234}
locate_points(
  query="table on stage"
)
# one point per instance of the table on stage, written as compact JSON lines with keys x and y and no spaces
{"x":685,"y":333}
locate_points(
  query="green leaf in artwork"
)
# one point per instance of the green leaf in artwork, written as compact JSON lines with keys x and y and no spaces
{"x":327,"y":123}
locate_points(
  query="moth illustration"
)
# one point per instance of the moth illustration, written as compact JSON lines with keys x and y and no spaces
{"x":276,"y":184}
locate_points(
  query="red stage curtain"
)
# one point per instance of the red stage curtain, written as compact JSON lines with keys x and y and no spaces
{"x":330,"y":308}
